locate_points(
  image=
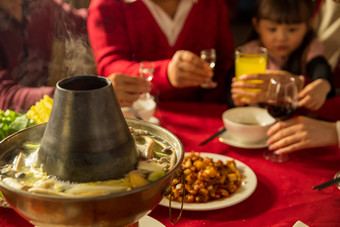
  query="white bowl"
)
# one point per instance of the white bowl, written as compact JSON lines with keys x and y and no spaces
{"x":248,"y":125}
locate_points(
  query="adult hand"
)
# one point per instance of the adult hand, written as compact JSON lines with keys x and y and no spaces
{"x":186,"y":69}
{"x":128,"y":88}
{"x":314,"y":94}
{"x":241,"y":96}
{"x":299,"y":133}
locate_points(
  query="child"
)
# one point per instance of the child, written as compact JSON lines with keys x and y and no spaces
{"x":283,"y":28}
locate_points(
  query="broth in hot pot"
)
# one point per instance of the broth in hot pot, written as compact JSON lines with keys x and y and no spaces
{"x":157,"y":157}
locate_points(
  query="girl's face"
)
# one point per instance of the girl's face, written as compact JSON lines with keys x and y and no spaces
{"x":280,"y":39}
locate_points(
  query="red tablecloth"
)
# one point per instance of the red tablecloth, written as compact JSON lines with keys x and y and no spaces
{"x":284,"y":192}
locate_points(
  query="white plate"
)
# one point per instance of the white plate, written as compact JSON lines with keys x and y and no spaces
{"x":227,"y":139}
{"x":148,"y":221}
{"x":247,"y":188}
{"x":335,"y":176}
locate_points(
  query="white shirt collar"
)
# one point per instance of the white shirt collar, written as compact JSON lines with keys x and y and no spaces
{"x":170,"y":27}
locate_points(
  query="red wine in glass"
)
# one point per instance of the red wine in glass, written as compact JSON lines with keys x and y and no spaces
{"x":281,"y":104}
{"x":281,"y":110}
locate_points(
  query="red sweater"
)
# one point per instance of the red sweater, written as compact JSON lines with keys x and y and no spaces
{"x":25,"y":49}
{"x":123,"y":34}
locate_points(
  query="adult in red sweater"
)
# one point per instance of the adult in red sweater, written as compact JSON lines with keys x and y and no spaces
{"x":169,"y":33}
{"x":27,"y":31}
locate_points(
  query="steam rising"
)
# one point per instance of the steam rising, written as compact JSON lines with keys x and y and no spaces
{"x":72,"y":55}
{"x":70,"y":58}
{"x":79,"y":59}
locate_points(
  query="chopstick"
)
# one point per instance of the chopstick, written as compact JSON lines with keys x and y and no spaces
{"x":135,"y":113}
{"x":220,"y":131}
{"x":327,"y":184}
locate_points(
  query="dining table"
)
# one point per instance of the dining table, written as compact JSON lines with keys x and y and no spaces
{"x":283,"y":194}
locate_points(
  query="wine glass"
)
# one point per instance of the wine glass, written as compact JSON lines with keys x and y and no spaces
{"x":146,"y":70}
{"x":281,"y":104}
{"x":209,"y":55}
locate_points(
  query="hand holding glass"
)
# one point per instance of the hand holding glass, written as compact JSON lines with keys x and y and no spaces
{"x":282,"y":104}
{"x":209,"y":55}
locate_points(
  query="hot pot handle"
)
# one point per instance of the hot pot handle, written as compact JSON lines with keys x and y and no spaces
{"x":167,"y":191}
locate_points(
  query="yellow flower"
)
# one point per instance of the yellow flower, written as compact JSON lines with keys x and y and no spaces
{"x":41,"y":111}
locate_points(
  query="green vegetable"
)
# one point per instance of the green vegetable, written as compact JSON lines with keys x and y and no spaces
{"x":11,"y":122}
{"x":31,"y":146}
{"x":160,"y":154}
{"x":156,"y":175}
{"x":6,"y":118}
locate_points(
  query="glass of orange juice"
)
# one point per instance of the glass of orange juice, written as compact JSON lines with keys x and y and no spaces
{"x":250,"y":61}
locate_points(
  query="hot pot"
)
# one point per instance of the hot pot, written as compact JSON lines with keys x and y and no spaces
{"x":68,"y":143}
{"x":112,"y":210}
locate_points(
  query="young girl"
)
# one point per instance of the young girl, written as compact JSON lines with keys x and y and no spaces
{"x":283,"y":28}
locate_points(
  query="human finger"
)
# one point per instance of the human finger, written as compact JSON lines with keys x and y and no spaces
{"x":187,"y":69}
{"x":310,"y":103}
{"x":264,"y":77}
{"x":279,"y":126}
{"x":278,"y":73}
{"x":304,"y":101}
{"x":185,"y":79}
{"x":126,"y":102}
{"x":129,"y":83}
{"x":250,"y":85}
{"x":303,"y":93}
{"x":252,"y":96}
{"x":284,"y":138}
{"x":240,"y":92}
{"x":239,"y":100}
{"x":291,"y":148}
{"x":127,"y":97}
{"x":196,"y":71}
{"x":136,"y":87}
{"x":274,"y":128}
{"x":193,"y":59}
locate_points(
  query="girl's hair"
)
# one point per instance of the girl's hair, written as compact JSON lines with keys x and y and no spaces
{"x":287,"y":12}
